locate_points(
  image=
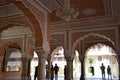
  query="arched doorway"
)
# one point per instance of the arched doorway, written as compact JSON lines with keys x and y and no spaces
{"x":76,"y":66}
{"x":95,"y":56}
{"x":34,"y":63}
{"x":58,"y":58}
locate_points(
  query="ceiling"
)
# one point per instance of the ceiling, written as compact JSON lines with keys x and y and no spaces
{"x":88,"y":9}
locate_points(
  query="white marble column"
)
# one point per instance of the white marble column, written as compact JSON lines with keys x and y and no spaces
{"x":41,"y":64}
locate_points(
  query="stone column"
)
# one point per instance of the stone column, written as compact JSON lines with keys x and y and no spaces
{"x":1,"y":59}
{"x":29,"y":67}
{"x":118,"y":59}
{"x":41,"y":64}
{"x":24,"y":69}
{"x":49,"y":63}
{"x":69,"y":75}
{"x":82,"y":58}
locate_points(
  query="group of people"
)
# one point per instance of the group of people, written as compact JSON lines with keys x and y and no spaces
{"x":102,"y":67}
{"x":103,"y":71}
{"x":53,"y":72}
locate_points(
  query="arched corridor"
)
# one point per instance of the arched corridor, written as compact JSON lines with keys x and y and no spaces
{"x":81,"y":37}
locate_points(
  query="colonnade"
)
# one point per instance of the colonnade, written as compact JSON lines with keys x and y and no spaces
{"x":43,"y":57}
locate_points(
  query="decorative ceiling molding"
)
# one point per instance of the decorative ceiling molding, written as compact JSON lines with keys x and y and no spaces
{"x":9,"y":10}
{"x":49,"y":5}
{"x":89,"y":11}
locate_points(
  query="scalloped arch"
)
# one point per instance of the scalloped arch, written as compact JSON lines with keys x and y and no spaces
{"x":91,"y":34}
{"x":98,"y":45}
{"x":35,"y":23}
{"x":7,"y":44}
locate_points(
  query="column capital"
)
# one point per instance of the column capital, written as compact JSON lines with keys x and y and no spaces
{"x":30,"y":57}
{"x":81,"y":57}
{"x":69,"y":58}
{"x":41,"y":54}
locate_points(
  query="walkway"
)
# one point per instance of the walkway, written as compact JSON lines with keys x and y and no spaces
{"x":89,"y":78}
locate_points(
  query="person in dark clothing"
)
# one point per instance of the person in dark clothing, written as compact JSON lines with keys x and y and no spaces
{"x":102,"y":67}
{"x":92,"y":70}
{"x":36,"y":72}
{"x":56,"y":68}
{"x":109,"y":72}
{"x":47,"y":72}
{"x":52,"y":72}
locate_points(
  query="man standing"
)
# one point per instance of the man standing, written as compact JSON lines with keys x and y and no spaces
{"x":103,"y":71}
{"x":109,"y":72}
{"x":36,"y":72}
{"x":56,"y":68}
{"x":92,"y":70}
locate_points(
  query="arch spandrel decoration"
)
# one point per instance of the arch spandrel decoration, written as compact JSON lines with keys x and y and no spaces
{"x":35,"y":23}
{"x":80,"y":42}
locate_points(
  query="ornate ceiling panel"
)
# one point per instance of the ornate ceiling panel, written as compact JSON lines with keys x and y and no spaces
{"x":88,"y":9}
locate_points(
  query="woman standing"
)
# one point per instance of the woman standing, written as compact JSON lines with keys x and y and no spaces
{"x":52,"y":72}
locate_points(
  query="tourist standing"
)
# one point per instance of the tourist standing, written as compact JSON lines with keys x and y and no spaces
{"x":102,"y":67}
{"x":56,"y":68}
{"x":109,"y":72}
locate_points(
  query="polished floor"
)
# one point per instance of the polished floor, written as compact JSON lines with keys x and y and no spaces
{"x":77,"y":78}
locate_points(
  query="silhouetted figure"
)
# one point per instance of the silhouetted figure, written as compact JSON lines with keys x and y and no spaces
{"x":52,"y":72}
{"x":109,"y":72}
{"x":56,"y":68}
{"x":103,"y":71}
{"x":92,"y":70}
{"x":65,"y":71}
{"x":47,"y":72}
{"x":36,"y":72}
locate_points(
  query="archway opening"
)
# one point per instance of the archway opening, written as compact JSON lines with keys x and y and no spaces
{"x":97,"y":55}
{"x":76,"y":66}
{"x":12,"y":60}
{"x":58,"y":58}
{"x":34,"y":63}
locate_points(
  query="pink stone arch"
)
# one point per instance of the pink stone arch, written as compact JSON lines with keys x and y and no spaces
{"x":91,"y":34}
{"x":35,"y":23}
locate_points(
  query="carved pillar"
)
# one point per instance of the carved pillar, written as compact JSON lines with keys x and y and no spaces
{"x":49,"y":63}
{"x":29,"y":67}
{"x":69,"y":75}
{"x":118,"y":59}
{"x":82,"y":58}
{"x":41,"y":64}
{"x":24,"y":68}
{"x":1,"y":59}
